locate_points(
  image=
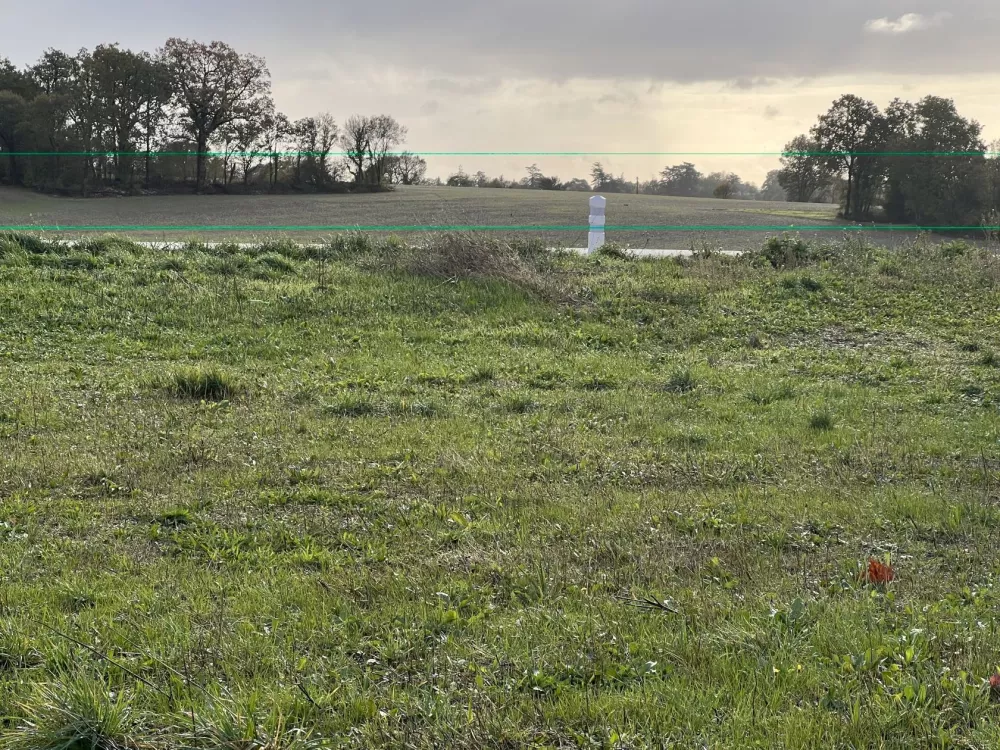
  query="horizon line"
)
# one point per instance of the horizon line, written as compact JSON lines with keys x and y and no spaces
{"x":497,"y":153}
{"x":490,"y":228}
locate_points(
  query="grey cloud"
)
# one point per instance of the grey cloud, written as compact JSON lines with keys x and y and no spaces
{"x":463,"y":87}
{"x":745,"y":84}
{"x":429,"y":108}
{"x":466,"y":46}
{"x":310,"y":75}
{"x":680,"y":41}
{"x":771,"y":112}
{"x":623,"y":98}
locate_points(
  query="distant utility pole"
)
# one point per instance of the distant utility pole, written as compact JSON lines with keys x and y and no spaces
{"x":636,"y":185}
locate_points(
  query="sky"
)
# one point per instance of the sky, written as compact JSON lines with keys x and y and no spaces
{"x":570,"y":75}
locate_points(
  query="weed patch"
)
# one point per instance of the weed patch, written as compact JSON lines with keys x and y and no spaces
{"x":681,"y":381}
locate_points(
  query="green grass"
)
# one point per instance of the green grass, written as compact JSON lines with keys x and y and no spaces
{"x":823,"y":214}
{"x":475,"y":496}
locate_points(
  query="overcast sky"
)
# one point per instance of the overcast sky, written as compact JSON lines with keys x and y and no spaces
{"x":569,"y":75}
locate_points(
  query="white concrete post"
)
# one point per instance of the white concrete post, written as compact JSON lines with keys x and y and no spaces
{"x":596,"y":236}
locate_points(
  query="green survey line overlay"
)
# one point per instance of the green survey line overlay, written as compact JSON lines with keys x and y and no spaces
{"x":483,"y":228}
{"x":273,"y":154}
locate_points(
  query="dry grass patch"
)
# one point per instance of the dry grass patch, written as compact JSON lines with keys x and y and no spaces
{"x":529,"y":266}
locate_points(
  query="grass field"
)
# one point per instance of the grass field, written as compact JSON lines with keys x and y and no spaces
{"x":486,"y":497}
{"x":434,"y":206}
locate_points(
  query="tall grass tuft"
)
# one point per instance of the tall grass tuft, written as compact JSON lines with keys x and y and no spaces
{"x":681,"y":381}
{"x":821,"y":421}
{"x":30,"y":243}
{"x":207,"y":383}
{"x":248,"y":724}
{"x":74,"y":713}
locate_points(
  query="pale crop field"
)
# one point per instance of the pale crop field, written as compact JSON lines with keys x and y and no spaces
{"x":430,"y":206}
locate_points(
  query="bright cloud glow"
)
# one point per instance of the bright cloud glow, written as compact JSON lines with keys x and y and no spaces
{"x":906,"y":23}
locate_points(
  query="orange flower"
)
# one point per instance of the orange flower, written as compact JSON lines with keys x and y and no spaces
{"x":995,"y":683}
{"x":878,"y":572}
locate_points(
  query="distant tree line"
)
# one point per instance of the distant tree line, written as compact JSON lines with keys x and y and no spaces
{"x":919,"y":163}
{"x":681,"y":180}
{"x":684,"y":180}
{"x":534,"y":180}
{"x":112,"y":118}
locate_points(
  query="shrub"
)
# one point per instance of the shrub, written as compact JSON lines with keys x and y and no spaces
{"x":613,"y":250}
{"x":955,"y":248}
{"x":795,"y":282}
{"x":785,"y":251}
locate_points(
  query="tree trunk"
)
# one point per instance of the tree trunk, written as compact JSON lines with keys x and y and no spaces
{"x":126,"y":166}
{"x":199,"y":180}
{"x":850,"y":178}
{"x":146,"y":178}
{"x":12,"y":161}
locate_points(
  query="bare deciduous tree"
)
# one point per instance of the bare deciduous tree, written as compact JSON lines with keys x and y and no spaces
{"x":214,"y":86}
{"x":251,"y":137}
{"x":804,"y":173}
{"x":386,"y":134}
{"x":315,"y":139}
{"x":355,"y":141}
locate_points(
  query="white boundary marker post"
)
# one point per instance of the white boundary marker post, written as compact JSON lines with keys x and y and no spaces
{"x":596,"y":237}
